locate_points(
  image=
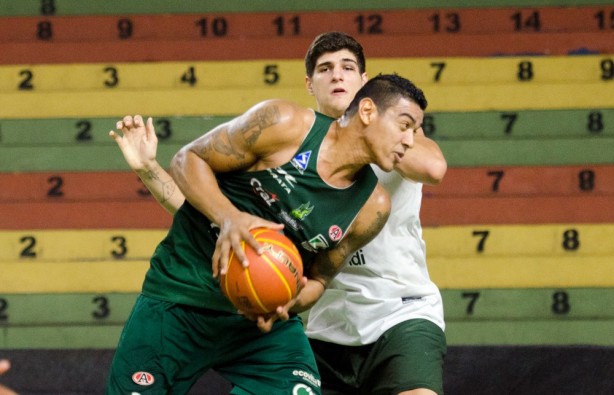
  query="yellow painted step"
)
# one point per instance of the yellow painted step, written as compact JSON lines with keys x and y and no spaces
{"x":480,"y":272}
{"x":548,"y":240}
{"x":252,"y":74}
{"x":79,"y":245}
{"x":218,"y":101}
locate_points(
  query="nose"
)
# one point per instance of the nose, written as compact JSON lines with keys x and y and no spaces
{"x":408,"y":139}
{"x":337,"y":73}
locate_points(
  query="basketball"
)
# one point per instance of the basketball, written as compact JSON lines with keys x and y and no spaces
{"x":270,"y":280}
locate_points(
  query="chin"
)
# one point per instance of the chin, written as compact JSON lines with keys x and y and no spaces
{"x":387,"y":167}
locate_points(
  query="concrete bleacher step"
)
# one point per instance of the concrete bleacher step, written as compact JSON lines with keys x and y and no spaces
{"x":118,"y":7}
{"x":277,"y":73}
{"x":523,"y":181}
{"x":593,"y":332}
{"x":526,"y":152}
{"x":453,"y":241}
{"x":438,"y":125}
{"x":436,"y":211}
{"x":460,"y":305}
{"x":462,"y":210}
{"x":489,"y":181}
{"x":84,"y":215}
{"x":475,"y":316}
{"x":20,"y":276}
{"x":87,"y":245}
{"x":218,"y":101}
{"x":244,"y":25}
{"x":425,"y":45}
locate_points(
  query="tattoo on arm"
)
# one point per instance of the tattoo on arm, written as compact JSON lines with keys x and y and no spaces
{"x":330,"y":262}
{"x":168,"y":187}
{"x":250,"y":129}
{"x":377,"y":225}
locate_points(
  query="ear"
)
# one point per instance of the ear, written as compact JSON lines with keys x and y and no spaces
{"x":309,"y":85}
{"x":364,"y":77}
{"x":367,"y":110}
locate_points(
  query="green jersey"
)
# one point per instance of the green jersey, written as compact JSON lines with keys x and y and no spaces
{"x":316,"y":216}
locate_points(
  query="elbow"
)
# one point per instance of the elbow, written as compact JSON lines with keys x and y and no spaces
{"x":437,"y":171}
{"x":178,"y":163}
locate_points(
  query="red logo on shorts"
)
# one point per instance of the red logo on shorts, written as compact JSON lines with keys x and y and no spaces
{"x":335,"y":233}
{"x":143,"y":378}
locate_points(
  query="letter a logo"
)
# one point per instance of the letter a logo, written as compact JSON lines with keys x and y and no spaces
{"x":143,"y":378}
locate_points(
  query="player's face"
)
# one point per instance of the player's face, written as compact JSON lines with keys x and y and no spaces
{"x":335,"y":81}
{"x":394,"y":134}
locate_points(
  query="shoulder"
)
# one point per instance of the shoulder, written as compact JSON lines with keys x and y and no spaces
{"x":283,"y":112}
{"x":280,"y":126}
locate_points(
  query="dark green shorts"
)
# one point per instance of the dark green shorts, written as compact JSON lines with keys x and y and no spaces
{"x":164,"y":348}
{"x":408,"y":356}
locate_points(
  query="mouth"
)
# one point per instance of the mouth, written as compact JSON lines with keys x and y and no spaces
{"x":339,"y":91}
{"x":398,"y":156}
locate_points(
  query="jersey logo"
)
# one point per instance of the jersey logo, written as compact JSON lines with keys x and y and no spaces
{"x":358,"y":259}
{"x":310,"y":378}
{"x":302,"y":211}
{"x":302,"y":389}
{"x":289,"y":220}
{"x":285,"y":180}
{"x":301,"y":161}
{"x":411,"y":299}
{"x":143,"y":378}
{"x":316,"y":243}
{"x":335,"y":233}
{"x":268,"y":197}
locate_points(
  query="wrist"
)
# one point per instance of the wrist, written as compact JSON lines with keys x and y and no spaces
{"x":147,"y":167}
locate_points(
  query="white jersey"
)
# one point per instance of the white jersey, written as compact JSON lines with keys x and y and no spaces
{"x":384,"y":283}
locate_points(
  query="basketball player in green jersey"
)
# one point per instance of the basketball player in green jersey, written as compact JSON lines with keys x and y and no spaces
{"x":251,"y":172}
{"x":335,"y":66}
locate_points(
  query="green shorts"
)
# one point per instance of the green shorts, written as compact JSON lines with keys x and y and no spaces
{"x":165,"y":348}
{"x":409,"y":355}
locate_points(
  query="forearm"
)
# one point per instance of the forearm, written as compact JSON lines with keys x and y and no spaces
{"x":424,"y":162}
{"x":196,"y":180}
{"x":308,"y":296}
{"x":162,"y":186}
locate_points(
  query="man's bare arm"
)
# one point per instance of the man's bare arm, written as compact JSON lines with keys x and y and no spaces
{"x":138,"y":143}
{"x":327,"y":264}
{"x":243,"y":144}
{"x":424,"y":162}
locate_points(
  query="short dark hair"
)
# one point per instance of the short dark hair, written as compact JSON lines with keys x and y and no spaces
{"x":333,"y":42}
{"x":385,"y":90}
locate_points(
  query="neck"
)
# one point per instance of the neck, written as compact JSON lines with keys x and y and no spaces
{"x":341,"y":156}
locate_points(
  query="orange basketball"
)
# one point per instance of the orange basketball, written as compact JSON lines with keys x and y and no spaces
{"x":270,"y":280}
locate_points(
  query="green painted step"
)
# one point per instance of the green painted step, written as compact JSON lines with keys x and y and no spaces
{"x":549,"y":332}
{"x":467,"y":305}
{"x":60,"y":337}
{"x":65,"y":309}
{"x":524,"y":304}
{"x":528,"y":152}
{"x":170,"y":129}
{"x":117,"y":7}
{"x":498,"y":317}
{"x":506,"y":332}
{"x":508,"y":125}
{"x":458,"y":153}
